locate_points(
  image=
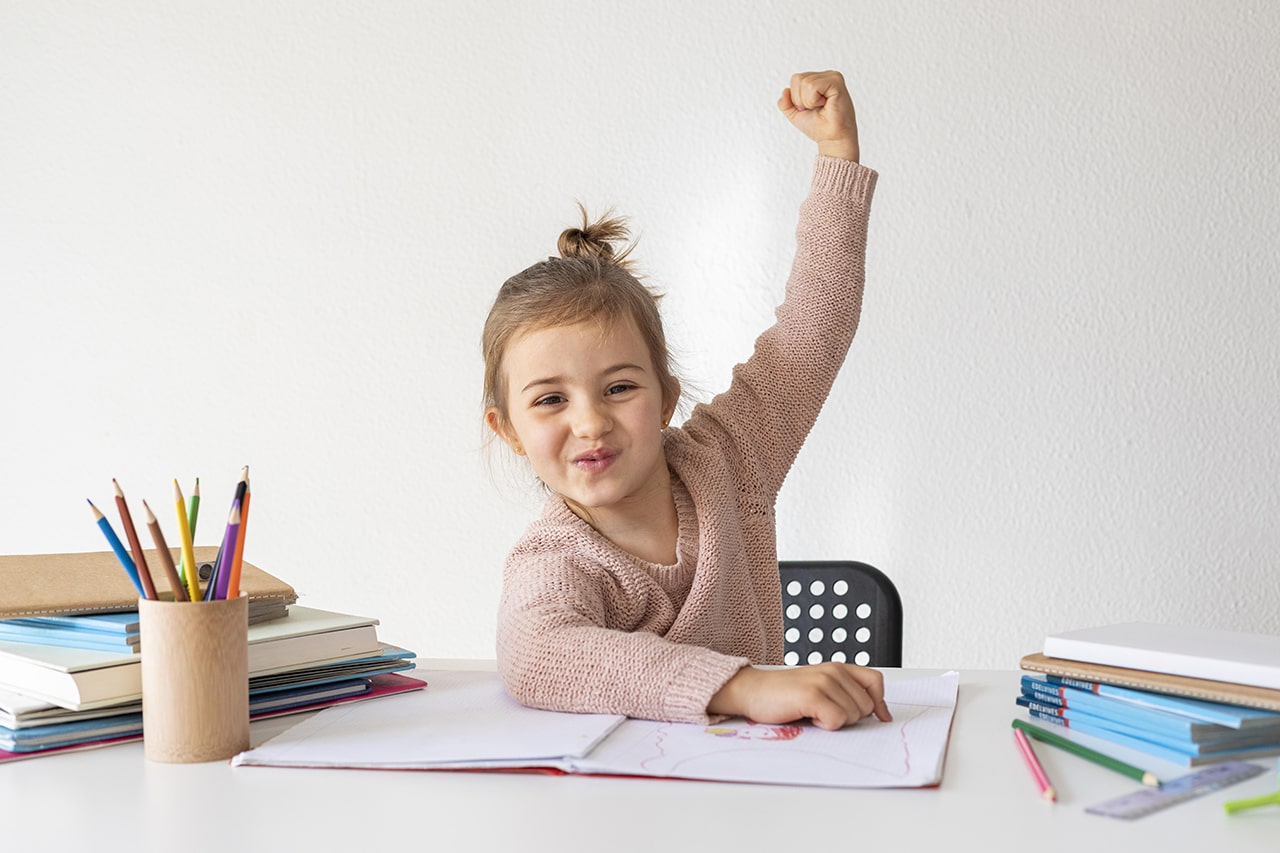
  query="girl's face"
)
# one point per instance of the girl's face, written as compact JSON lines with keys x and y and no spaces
{"x":585,"y":406}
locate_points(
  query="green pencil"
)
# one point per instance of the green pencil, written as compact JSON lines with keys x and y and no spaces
{"x":1053,"y":739}
{"x":192,"y":515}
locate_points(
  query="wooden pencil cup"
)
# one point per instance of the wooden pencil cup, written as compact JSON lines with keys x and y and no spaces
{"x":195,"y":679}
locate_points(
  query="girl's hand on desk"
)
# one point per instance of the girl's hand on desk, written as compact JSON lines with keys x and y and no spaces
{"x":833,"y":695}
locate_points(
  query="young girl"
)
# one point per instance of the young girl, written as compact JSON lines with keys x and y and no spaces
{"x":649,"y":586}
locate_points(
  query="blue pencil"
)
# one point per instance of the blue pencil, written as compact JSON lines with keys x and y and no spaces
{"x":125,"y":560}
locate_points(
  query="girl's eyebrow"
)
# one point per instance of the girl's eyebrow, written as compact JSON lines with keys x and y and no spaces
{"x":550,"y":380}
{"x":620,"y":367}
{"x":557,"y":380}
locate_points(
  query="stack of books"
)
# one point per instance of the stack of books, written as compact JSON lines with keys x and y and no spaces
{"x":73,"y":680}
{"x":1189,"y":696}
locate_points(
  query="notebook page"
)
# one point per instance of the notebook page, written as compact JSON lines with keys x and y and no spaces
{"x":904,"y":753}
{"x":461,"y":720}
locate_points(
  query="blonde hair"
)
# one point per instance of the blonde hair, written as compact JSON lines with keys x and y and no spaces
{"x":592,"y":280}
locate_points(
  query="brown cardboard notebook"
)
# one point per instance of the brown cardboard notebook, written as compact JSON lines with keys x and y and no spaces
{"x":95,"y":582}
{"x":1157,"y":682}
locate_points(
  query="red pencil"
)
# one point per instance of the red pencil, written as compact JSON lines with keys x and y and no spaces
{"x":144,"y":574}
{"x":1033,"y":763}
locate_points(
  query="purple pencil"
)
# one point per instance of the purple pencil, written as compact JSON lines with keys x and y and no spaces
{"x":227,"y":553}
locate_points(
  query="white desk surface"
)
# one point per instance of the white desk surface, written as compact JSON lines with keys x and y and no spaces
{"x":114,"y":799}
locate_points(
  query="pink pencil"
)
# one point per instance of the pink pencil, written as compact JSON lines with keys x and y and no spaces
{"x":1042,"y":780}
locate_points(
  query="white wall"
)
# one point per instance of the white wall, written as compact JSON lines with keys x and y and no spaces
{"x":268,"y":233}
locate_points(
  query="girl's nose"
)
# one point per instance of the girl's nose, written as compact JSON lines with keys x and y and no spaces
{"x":590,"y":421}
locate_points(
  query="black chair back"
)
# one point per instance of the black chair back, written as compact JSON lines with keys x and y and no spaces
{"x":840,"y":610}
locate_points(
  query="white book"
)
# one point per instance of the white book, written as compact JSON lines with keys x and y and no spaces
{"x":1231,"y":656}
{"x":474,"y":724}
{"x":85,"y":678}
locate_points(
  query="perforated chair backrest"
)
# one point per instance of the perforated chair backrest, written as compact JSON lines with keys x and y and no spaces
{"x":839,"y":610}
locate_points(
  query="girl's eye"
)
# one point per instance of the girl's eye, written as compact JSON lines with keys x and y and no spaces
{"x":549,"y":400}
{"x":620,"y":388}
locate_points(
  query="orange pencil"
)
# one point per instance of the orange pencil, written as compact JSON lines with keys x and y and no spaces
{"x":166,"y":559}
{"x":233,"y":585}
{"x":139,"y":560}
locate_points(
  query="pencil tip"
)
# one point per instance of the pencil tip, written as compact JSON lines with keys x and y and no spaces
{"x":119,"y":491}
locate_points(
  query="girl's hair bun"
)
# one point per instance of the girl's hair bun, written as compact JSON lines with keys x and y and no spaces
{"x":602,"y":240}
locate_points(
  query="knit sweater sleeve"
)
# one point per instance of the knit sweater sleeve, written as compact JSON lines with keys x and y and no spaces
{"x":575,"y":636}
{"x":762,"y":420}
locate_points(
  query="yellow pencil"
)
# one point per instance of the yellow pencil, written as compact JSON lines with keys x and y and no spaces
{"x":188,"y":551}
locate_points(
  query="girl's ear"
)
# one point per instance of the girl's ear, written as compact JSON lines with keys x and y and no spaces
{"x":669,"y":406}
{"x":503,"y":430}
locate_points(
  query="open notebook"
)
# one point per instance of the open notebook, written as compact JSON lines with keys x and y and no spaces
{"x":465,"y":721}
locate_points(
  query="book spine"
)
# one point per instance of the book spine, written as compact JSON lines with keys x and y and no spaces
{"x":1091,"y":686}
{"x":1032,"y":705}
{"x":1050,"y":692}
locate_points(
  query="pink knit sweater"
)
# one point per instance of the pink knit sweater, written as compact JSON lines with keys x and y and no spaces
{"x":584,"y":626}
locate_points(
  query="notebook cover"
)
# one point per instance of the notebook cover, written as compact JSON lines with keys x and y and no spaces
{"x":1156,"y":682}
{"x":1187,"y":650}
{"x":95,"y":582}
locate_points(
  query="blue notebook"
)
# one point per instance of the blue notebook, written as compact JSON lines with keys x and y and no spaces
{"x":1185,"y":754}
{"x":1182,"y":718}
{"x":1222,"y":713}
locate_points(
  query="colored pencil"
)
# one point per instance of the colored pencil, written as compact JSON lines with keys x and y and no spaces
{"x":193,"y":513}
{"x":139,"y":559}
{"x":1146,"y":777}
{"x":233,"y":584}
{"x":114,"y":542}
{"x":188,"y":552}
{"x":221,"y":570}
{"x":228,"y":548}
{"x":211,"y":585}
{"x":166,"y":559}
{"x":1252,"y":803}
{"x":1033,"y":763}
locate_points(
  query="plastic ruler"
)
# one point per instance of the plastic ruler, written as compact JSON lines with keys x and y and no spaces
{"x":1151,"y":800}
